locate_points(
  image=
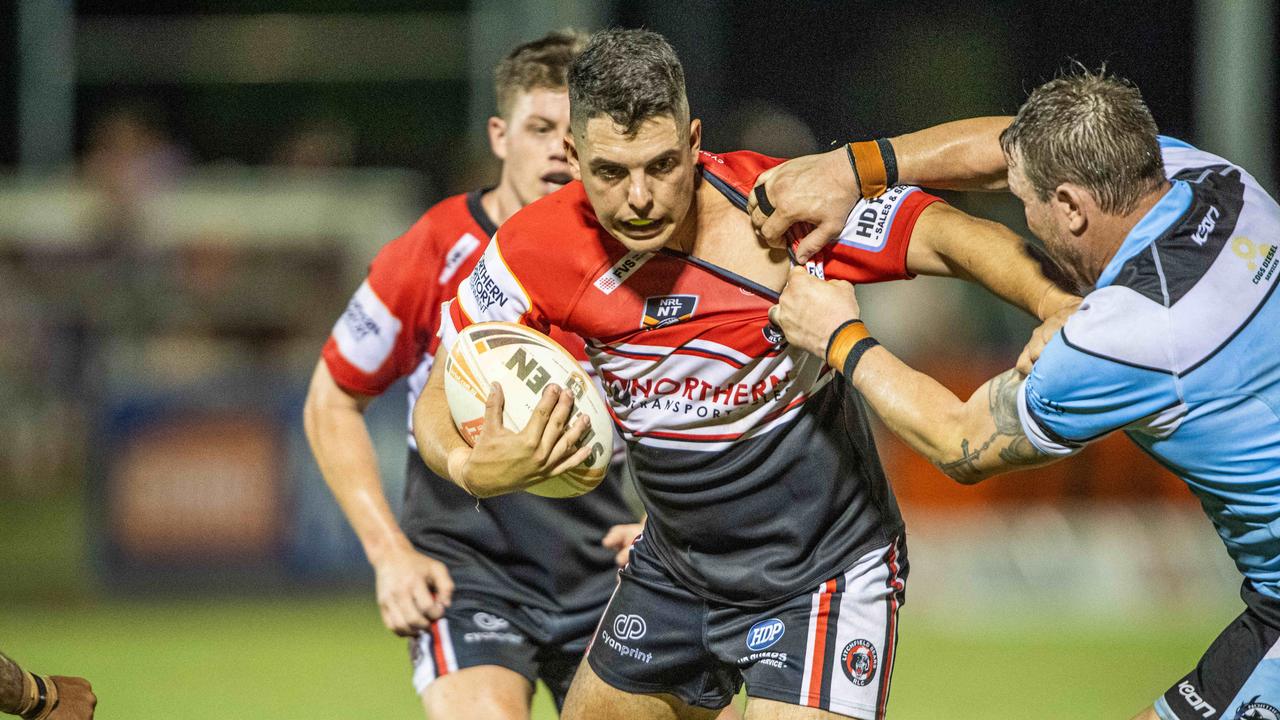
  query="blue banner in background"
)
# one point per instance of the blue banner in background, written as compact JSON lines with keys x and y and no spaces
{"x":215,"y":487}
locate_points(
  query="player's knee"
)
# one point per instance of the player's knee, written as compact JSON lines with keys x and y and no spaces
{"x":488,"y":693}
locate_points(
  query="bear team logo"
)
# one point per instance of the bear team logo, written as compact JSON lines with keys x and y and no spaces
{"x":858,"y":660}
{"x":663,"y":310}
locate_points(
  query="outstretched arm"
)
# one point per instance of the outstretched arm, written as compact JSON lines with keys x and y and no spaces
{"x":822,"y":189}
{"x":968,"y":440}
{"x":44,"y":698}
{"x":950,"y":243}
{"x":412,"y":588}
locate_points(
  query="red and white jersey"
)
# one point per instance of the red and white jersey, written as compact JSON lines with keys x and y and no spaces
{"x":719,"y":412}
{"x":390,"y":327}
{"x":525,"y":549}
{"x":684,"y":348}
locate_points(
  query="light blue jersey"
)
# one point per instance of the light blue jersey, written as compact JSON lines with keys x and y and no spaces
{"x":1179,"y":346}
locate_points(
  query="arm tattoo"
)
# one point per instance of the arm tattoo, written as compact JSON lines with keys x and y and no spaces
{"x":1002,"y":399}
{"x":10,"y":684}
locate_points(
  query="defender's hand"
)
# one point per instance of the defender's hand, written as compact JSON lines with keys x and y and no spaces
{"x":818,"y":189}
{"x":1043,"y":334}
{"x":76,"y":700}
{"x":503,"y":461}
{"x":413,"y":590}
{"x":810,"y":309}
{"x":619,"y":538}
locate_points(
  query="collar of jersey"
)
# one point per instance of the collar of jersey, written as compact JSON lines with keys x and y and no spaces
{"x":1158,"y":219}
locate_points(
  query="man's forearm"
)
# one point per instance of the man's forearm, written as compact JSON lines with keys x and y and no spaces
{"x":10,"y":685}
{"x":343,"y":449}
{"x":948,"y":242}
{"x":960,"y":155}
{"x":968,"y":441}
{"x":433,"y":427}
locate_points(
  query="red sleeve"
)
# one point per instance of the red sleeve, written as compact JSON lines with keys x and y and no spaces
{"x":381,"y":337}
{"x":873,"y":245}
{"x":531,"y":272}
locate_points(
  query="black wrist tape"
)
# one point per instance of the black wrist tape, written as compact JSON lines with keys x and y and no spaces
{"x":890,"y":162}
{"x":851,"y":360}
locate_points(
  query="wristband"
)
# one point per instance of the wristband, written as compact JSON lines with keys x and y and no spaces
{"x":890,"y":159}
{"x":869,"y":166}
{"x":41,"y":697}
{"x":843,"y":340}
{"x":859,"y":349}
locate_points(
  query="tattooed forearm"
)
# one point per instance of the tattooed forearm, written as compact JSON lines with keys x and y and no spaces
{"x":1011,"y":445}
{"x":10,"y":685}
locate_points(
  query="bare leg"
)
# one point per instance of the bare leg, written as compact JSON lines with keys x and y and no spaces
{"x":761,"y":709}
{"x":731,"y":711}
{"x":591,"y":698}
{"x":484,"y":692}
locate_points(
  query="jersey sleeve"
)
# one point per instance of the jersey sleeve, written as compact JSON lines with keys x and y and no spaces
{"x":873,"y":245}
{"x":376,"y":339}
{"x":492,"y":292}
{"x":1073,"y":397}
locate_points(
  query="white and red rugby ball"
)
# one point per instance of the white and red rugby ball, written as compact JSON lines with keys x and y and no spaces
{"x":524,"y":362}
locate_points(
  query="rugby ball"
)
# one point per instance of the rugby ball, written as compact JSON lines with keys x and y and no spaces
{"x":524,"y":362}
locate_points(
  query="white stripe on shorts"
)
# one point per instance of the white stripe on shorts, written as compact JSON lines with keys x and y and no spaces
{"x":425,"y":669}
{"x":861,"y":629}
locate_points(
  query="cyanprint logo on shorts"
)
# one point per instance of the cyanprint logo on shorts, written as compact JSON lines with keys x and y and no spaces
{"x":629,"y":627}
{"x":1255,"y":710}
{"x":859,"y":662}
{"x":486,"y":621}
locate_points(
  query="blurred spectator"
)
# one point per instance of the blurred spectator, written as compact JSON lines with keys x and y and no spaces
{"x":767,"y":128}
{"x":317,"y":143}
{"x":129,"y":152}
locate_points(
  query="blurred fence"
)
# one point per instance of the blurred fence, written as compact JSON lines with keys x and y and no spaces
{"x":157,"y":347}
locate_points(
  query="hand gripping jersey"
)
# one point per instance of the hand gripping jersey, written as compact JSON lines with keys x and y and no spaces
{"x":1178,"y":345}
{"x":529,"y":550}
{"x":752,"y":457}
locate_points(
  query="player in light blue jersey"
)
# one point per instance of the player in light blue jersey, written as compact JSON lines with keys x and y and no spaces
{"x":1177,"y":341}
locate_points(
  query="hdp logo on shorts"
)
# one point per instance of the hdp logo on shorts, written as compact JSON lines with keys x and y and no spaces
{"x":629,"y":627}
{"x":663,"y":310}
{"x":764,"y":634}
{"x":1255,"y":710}
{"x":858,"y":660}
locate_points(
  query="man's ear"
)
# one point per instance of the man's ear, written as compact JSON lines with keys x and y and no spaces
{"x":571,"y":154}
{"x":695,"y":135}
{"x":498,"y":137}
{"x":1072,"y":205}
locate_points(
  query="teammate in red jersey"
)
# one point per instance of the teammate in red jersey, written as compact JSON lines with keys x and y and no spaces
{"x":498,"y":595}
{"x":773,"y":552}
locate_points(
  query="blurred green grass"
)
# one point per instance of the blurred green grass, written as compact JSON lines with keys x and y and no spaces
{"x":320,"y":657}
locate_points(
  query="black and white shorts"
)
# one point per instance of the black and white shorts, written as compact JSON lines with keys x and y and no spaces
{"x":478,"y":630}
{"x":832,"y":648}
{"x":1238,"y":678}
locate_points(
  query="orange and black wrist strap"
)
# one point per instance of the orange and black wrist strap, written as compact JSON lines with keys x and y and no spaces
{"x":874,"y":164}
{"x":847,"y":345}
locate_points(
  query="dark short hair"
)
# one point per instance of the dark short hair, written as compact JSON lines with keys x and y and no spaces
{"x":1091,"y":129}
{"x":630,"y":76}
{"x":540,"y":64}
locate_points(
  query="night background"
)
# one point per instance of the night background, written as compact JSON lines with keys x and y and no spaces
{"x":190,"y":191}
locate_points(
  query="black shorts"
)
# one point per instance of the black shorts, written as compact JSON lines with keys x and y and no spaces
{"x":1238,"y":678}
{"x":832,"y":648}
{"x":478,"y":630}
